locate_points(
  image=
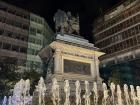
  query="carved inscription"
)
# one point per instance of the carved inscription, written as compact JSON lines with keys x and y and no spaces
{"x":76,"y":67}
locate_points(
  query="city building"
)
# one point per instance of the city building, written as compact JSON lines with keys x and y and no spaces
{"x":117,"y":33}
{"x":22,"y":35}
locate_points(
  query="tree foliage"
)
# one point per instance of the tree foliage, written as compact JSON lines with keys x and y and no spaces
{"x":116,"y":76}
{"x":34,"y":77}
{"x":9,"y":75}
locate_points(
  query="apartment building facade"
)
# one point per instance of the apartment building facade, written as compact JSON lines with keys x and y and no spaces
{"x":117,"y":33}
{"x":22,"y":35}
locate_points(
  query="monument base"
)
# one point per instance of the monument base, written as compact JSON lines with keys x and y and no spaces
{"x":74,"y":58}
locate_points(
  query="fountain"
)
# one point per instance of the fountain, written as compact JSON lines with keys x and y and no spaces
{"x":138,"y":94}
{"x":78,"y":93}
{"x":41,"y":90}
{"x":113,"y":96}
{"x":105,"y":94}
{"x":67,"y":92}
{"x":55,"y":92}
{"x":133,"y":95}
{"x":126,"y":94}
{"x":112,"y":88}
{"x":95,"y":92}
{"x":87,"y":93}
{"x":21,"y":94}
{"x":119,"y":96}
{"x":4,"y":100}
{"x":10,"y":100}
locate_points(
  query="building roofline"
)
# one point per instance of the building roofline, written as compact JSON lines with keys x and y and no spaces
{"x":113,"y":7}
{"x":107,"y":12}
{"x":13,"y":6}
{"x":22,"y":9}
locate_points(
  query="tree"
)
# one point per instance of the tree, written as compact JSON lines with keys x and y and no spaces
{"x":115,"y":77}
{"x":33,"y":76}
{"x":8,"y":76}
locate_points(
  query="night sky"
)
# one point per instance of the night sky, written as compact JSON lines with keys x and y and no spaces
{"x":88,"y":10}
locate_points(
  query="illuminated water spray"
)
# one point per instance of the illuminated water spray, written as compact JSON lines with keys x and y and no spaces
{"x":87,"y":93}
{"x":105,"y":94}
{"x":55,"y":92}
{"x":112,"y":87}
{"x":41,"y":89}
{"x":95,"y":92}
{"x":127,"y":98}
{"x":78,"y":93}
{"x":67,"y":92}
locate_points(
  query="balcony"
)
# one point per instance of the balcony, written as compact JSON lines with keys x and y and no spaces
{"x":13,"y":41}
{"x":8,"y":53}
{"x":13,"y":28}
{"x":14,"y":17}
{"x":117,"y":53}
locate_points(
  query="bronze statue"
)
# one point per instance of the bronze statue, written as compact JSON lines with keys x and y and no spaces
{"x":65,"y":23}
{"x":60,"y":20}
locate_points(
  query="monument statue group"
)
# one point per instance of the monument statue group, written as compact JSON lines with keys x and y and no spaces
{"x":71,"y":56}
{"x":65,"y":23}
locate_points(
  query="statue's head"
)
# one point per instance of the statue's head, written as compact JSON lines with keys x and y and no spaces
{"x":68,"y":13}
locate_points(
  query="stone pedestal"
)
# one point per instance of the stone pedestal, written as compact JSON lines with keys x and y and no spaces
{"x":75,"y":59}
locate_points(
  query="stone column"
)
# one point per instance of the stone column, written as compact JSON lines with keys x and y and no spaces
{"x":93,"y":69}
{"x":98,"y":78}
{"x":97,"y":67}
{"x":57,"y":62}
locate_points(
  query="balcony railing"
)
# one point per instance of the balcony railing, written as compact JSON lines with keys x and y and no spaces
{"x":14,"y":17}
{"x":13,"y":29}
{"x":13,"y":41}
{"x":8,"y":53}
